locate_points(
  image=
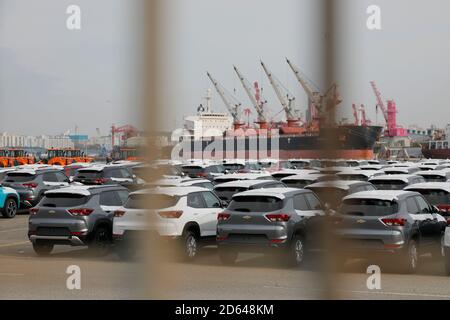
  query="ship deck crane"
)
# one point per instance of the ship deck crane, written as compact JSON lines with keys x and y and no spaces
{"x":256,"y":101}
{"x":286,"y":101}
{"x":355,"y":114}
{"x":232,"y":104}
{"x":321,"y":102}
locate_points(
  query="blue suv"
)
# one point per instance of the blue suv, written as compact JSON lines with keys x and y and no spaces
{"x":9,"y":202}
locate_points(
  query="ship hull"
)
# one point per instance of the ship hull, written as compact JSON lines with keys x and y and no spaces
{"x":348,"y":142}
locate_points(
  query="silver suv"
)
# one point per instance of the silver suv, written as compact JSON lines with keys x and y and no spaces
{"x":76,"y":216}
{"x":265,"y":219}
{"x":398,"y":223}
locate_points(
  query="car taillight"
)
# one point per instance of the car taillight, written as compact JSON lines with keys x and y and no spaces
{"x":223,"y":216}
{"x":119,"y":213}
{"x":100,"y":180}
{"x":30,"y":184}
{"x":171,"y":214}
{"x":80,"y":211}
{"x":278,"y":217}
{"x":201,"y":174}
{"x":444,"y":208}
{"x":33,"y":211}
{"x":221,"y":238}
{"x":448,"y":222}
{"x":394,"y":222}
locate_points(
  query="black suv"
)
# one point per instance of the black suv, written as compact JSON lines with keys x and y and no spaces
{"x":32,"y":183}
{"x":107,"y":174}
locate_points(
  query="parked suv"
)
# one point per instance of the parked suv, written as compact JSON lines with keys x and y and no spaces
{"x":225,"y":191}
{"x":435,"y":175}
{"x":398,"y":223}
{"x":77,"y":216}
{"x":207,"y":171}
{"x":264,"y":219}
{"x":9,"y":202}
{"x":437,"y":193}
{"x":186,"y":214}
{"x":107,"y":174}
{"x":31,"y":184}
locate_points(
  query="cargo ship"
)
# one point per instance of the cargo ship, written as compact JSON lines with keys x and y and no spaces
{"x":342,"y":141}
{"x":212,"y":135}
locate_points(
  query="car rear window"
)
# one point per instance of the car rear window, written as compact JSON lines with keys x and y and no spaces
{"x":297,"y":183}
{"x":389,"y":185}
{"x":89,"y":174}
{"x":330,"y":195}
{"x":359,"y":177}
{"x":368,"y":207}
{"x":434,"y":196}
{"x":255,"y":204}
{"x":434,"y":178}
{"x":19,"y":177}
{"x":151,"y":201}
{"x":63,"y":200}
{"x":192,"y":169}
{"x":233,"y":166}
{"x":225,"y":193}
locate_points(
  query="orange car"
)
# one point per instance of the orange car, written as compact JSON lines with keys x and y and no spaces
{"x":64,"y":157}
{"x":14,"y":157}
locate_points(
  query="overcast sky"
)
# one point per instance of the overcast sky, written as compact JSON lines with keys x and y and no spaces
{"x":53,"y":79}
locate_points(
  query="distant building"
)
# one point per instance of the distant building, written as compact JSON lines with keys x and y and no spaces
{"x":43,"y":141}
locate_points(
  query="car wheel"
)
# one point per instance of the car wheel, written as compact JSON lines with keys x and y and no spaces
{"x":296,"y":252}
{"x":101,"y":241}
{"x":10,"y":209}
{"x":190,"y":245}
{"x":228,"y":256}
{"x":42,"y":248}
{"x":410,"y":258}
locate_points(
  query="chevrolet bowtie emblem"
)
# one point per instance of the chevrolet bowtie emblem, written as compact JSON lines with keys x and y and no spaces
{"x":360,"y":221}
{"x":246,"y":217}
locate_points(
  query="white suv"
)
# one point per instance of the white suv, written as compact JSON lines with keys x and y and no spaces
{"x":188,"y":214}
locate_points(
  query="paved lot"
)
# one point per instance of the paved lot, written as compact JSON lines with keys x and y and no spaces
{"x":24,"y":275}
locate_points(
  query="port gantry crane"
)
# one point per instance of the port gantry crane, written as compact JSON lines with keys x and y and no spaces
{"x":231,"y":103}
{"x":285,"y":100}
{"x":256,"y":101}
{"x":321,"y":102}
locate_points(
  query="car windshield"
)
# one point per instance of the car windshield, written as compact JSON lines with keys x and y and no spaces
{"x":434,"y":196}
{"x":151,"y":201}
{"x":19,"y":177}
{"x":389,"y":184}
{"x":255,"y":204}
{"x":225,"y":193}
{"x":368,"y":207}
{"x":63,"y":200}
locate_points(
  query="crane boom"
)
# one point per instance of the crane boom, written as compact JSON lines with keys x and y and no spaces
{"x":380,"y":102}
{"x":314,"y":96}
{"x":286,"y":102}
{"x":258,"y":107}
{"x":233,"y":108}
{"x":355,"y":114}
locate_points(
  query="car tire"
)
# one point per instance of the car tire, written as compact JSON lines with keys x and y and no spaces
{"x":42,"y":248}
{"x":228,"y":256}
{"x":189,"y":245}
{"x":10,"y":208}
{"x":100,"y":244}
{"x":296,"y":252}
{"x":409,"y":259}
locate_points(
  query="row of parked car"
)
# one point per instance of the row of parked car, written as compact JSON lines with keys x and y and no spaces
{"x":283,"y":210}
